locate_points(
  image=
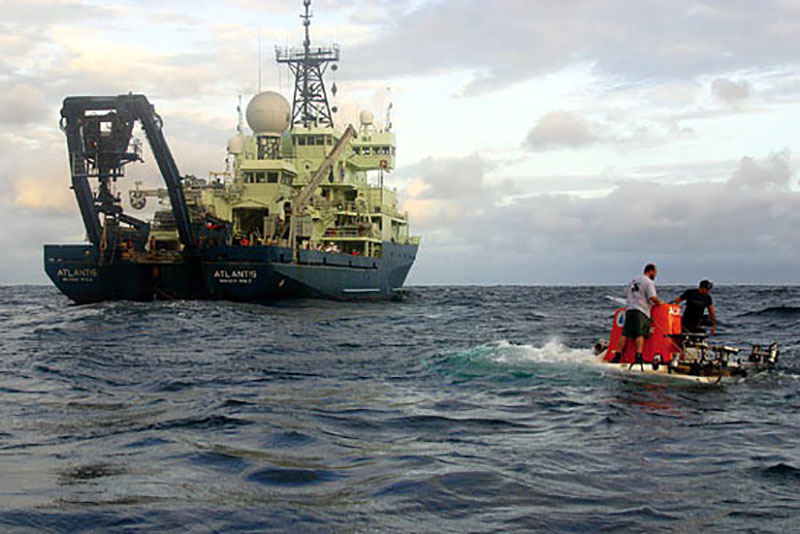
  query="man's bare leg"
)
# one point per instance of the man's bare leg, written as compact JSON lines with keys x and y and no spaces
{"x":640,"y":351}
{"x":620,"y":349}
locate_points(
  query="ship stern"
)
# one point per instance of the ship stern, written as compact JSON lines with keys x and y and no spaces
{"x":76,"y":270}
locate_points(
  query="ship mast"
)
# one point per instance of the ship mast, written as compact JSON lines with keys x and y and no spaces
{"x":310,"y":105}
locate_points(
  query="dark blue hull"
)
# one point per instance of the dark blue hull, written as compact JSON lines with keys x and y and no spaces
{"x":237,"y":273}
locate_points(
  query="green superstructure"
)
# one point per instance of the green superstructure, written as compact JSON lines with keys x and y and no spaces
{"x":271,"y":168}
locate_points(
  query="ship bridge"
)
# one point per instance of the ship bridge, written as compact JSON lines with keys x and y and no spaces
{"x":374,"y":151}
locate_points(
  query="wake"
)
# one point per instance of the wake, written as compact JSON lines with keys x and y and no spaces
{"x":553,"y":351}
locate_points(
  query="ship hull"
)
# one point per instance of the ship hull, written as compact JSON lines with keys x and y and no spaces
{"x":249,"y":274}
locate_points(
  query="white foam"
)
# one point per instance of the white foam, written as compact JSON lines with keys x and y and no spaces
{"x":551,"y":352}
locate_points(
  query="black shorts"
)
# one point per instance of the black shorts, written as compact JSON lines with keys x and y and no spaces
{"x":636,"y":324}
{"x":693,"y":329}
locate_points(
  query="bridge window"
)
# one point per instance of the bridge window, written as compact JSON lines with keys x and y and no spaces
{"x":365,"y":151}
{"x":259,"y":177}
{"x":357,"y":150}
{"x":272,"y":177}
{"x":301,"y":140}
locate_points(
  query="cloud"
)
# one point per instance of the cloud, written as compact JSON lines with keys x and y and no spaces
{"x":24,"y":231}
{"x":513,"y":40}
{"x":43,"y":194}
{"x":450,"y":192}
{"x":742,"y":229}
{"x":46,"y":12}
{"x":22,"y":104}
{"x":94,"y":62}
{"x":24,"y":228}
{"x":730,"y":91}
{"x":772,"y":174}
{"x":560,"y":129}
{"x":41,"y":181}
{"x":453,"y":178}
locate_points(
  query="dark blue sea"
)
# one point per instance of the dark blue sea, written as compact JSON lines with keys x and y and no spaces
{"x":456,"y":409}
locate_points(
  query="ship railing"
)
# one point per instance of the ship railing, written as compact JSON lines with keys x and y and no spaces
{"x":391,"y":212}
{"x":158,"y":256}
{"x":219,"y":179}
{"x":80,"y":168}
{"x":348,"y":232}
{"x":316,"y":53}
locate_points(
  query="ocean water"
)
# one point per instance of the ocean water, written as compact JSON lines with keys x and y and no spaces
{"x":457,"y":409}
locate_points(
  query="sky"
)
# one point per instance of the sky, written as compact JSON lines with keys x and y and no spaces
{"x":539,"y":141}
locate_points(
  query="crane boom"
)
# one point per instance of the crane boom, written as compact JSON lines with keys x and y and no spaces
{"x":98,"y":130}
{"x":301,"y":201}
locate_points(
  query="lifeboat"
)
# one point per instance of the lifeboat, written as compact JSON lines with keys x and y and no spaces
{"x":671,"y":353}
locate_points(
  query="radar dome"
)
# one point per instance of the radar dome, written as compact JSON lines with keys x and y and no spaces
{"x":236,"y":144}
{"x":268,"y":113}
{"x":366,"y":117}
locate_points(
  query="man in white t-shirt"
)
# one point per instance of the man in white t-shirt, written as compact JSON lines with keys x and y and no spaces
{"x":640,"y":297}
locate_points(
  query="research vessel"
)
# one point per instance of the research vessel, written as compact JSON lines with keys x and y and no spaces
{"x":300,"y":210}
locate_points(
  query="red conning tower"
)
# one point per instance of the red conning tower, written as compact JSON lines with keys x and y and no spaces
{"x":666,"y":323}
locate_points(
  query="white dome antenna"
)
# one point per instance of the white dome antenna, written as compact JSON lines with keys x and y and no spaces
{"x":366,"y":118}
{"x":268,"y":113}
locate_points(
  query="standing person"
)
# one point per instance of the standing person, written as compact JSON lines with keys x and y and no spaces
{"x":697,"y":300}
{"x":640,"y":297}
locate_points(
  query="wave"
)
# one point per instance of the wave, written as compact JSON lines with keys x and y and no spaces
{"x":782,"y":473}
{"x":505,"y":360}
{"x":287,"y":476}
{"x":774,"y":311}
{"x":551,"y":352}
{"x":507,"y":353}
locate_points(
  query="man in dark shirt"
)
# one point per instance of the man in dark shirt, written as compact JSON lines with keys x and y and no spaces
{"x":697,"y":300}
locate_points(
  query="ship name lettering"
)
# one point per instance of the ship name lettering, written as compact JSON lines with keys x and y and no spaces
{"x":240,"y":276}
{"x":81,"y":274}
{"x":72,"y":273}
